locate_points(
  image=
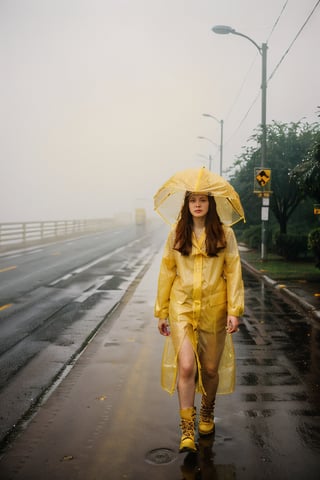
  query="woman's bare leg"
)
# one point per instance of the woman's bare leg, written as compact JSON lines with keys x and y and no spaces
{"x":210,"y":356}
{"x":187,"y":369}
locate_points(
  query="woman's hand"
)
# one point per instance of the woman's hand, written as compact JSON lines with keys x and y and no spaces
{"x":163,"y":327}
{"x":232,"y":324}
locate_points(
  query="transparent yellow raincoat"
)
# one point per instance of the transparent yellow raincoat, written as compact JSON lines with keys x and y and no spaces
{"x":195,"y":293}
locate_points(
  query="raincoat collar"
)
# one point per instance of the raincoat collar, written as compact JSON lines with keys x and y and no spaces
{"x":199,"y":245}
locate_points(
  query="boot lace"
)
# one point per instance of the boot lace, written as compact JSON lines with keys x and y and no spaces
{"x":206,"y":411}
{"x":187,"y":427}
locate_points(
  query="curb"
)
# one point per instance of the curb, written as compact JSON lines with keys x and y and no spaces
{"x":310,"y":309}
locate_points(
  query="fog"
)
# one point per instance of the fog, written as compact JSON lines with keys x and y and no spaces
{"x":102,"y":100}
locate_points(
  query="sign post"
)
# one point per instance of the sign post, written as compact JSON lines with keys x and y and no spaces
{"x":262,"y":188}
{"x":316,"y":208}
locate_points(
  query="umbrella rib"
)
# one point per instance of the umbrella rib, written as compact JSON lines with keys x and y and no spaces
{"x":169,"y":198}
{"x":241,"y":214}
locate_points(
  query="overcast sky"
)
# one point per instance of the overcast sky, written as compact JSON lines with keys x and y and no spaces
{"x":102,"y":100}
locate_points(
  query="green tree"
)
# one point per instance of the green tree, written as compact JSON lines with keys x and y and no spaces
{"x":307,"y":177}
{"x":242,"y":180}
{"x":287,"y":145}
{"x":307,"y":173}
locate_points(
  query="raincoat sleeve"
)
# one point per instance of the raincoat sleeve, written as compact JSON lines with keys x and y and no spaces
{"x":233,"y":275}
{"x":167,"y":275}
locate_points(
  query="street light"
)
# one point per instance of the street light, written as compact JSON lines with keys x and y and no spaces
{"x":224,"y":30}
{"x":213,"y":143}
{"x":202,"y":156}
{"x":207,"y":157}
{"x":221,"y":138}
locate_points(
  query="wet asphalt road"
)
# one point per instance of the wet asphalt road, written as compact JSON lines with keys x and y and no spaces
{"x":52,"y":300}
{"x":109,"y":419}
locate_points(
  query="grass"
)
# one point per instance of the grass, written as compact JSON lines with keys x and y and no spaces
{"x":279,"y":269}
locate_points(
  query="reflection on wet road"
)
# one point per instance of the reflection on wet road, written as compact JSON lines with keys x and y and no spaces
{"x":284,"y":330}
{"x":277,"y":395}
{"x":109,"y":419}
{"x":270,"y":427}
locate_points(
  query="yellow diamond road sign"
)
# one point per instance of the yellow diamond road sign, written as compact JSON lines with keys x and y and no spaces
{"x":262,"y":181}
{"x":263,"y":176}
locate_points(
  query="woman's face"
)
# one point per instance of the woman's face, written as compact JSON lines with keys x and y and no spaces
{"x":198,"y":205}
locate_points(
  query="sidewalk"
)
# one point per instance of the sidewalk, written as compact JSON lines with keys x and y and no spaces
{"x":302,"y":294}
{"x":108,"y":419}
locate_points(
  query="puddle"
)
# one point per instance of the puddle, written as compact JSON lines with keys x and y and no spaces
{"x":160,"y":456}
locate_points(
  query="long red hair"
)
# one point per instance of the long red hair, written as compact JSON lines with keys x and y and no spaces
{"x":215,"y":238}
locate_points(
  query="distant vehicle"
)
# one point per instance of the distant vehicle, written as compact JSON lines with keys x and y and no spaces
{"x":140,"y":216}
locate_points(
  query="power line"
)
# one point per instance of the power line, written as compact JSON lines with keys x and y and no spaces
{"x":295,"y":38}
{"x":277,"y":21}
{"x":241,"y":88}
{"x":278,"y":64}
{"x":246,"y":78}
{"x":244,"y":117}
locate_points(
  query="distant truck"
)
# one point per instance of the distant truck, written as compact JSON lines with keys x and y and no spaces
{"x":140,"y":216}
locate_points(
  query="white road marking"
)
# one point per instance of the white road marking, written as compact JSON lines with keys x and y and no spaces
{"x":94,"y":289}
{"x":91,"y":264}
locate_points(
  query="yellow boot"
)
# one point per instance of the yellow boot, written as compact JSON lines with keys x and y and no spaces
{"x":187,"y":416}
{"x":206,"y":420}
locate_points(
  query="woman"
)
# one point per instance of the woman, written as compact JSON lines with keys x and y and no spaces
{"x":200,"y":290}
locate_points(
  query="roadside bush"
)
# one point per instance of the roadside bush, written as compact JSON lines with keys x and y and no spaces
{"x":251,"y":236}
{"x":290,"y":246}
{"x":314,"y":244}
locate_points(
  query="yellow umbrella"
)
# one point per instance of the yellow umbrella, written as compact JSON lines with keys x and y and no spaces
{"x":170,"y":197}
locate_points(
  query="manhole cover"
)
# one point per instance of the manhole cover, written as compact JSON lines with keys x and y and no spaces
{"x":160,"y":456}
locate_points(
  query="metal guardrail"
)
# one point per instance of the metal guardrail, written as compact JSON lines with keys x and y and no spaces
{"x":23,"y":233}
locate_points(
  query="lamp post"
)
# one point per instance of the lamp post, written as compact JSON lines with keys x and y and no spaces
{"x":221,"y":138}
{"x":207,"y":157}
{"x":213,"y":143}
{"x":224,"y":30}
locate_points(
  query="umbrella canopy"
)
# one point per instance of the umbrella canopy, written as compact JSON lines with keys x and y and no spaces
{"x":170,"y":197}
